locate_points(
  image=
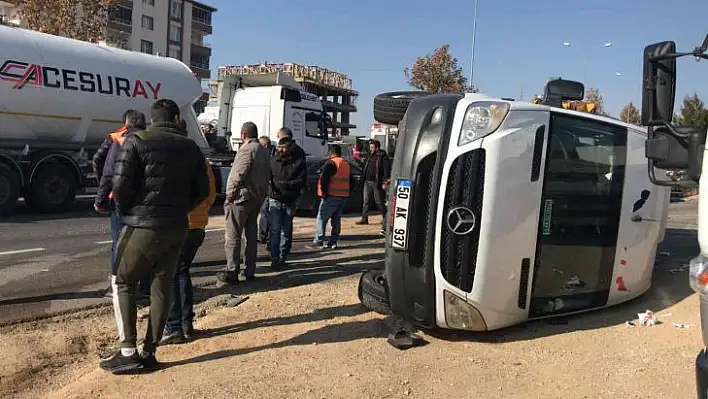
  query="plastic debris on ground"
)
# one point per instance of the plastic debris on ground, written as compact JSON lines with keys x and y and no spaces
{"x":679,"y":325}
{"x":630,"y":324}
{"x":647,"y":318}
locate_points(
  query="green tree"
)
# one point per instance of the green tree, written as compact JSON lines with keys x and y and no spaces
{"x":630,"y":114}
{"x":437,"y":72}
{"x":77,"y":19}
{"x":594,"y":96}
{"x":693,"y":112}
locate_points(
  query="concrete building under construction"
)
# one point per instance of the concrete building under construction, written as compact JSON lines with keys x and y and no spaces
{"x":333,"y":88}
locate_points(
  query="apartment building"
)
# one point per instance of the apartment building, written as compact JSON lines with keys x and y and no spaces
{"x":170,"y":28}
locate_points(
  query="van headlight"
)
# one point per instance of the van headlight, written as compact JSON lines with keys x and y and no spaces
{"x":460,"y":315}
{"x":482,"y":119}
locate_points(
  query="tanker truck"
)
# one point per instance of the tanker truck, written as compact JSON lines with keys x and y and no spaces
{"x":59,"y":98}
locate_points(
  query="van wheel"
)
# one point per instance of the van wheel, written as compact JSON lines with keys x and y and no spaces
{"x":389,"y":108}
{"x":373,"y":293}
{"x":9,"y":190}
{"x":52,"y":189}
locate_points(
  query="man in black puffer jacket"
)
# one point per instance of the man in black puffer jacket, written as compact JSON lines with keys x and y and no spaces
{"x":288,"y":171}
{"x":159,"y":178}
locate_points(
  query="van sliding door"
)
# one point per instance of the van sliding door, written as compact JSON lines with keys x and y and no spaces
{"x":579,"y":216}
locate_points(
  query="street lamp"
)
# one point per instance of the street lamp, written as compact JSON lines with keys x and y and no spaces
{"x":585,"y":61}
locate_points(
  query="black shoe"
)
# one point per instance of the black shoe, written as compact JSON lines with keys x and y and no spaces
{"x":172,"y":338}
{"x":149,"y":361}
{"x":330,"y":245}
{"x":118,"y":363}
{"x":192,"y":333}
{"x":251,"y":278}
{"x":227,"y":278}
{"x":362,"y":222}
{"x":275,"y":265}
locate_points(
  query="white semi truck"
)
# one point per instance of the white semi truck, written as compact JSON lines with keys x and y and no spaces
{"x":59,"y":98}
{"x":271,"y":101}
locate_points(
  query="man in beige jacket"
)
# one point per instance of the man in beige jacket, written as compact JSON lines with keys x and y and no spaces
{"x":246,"y":190}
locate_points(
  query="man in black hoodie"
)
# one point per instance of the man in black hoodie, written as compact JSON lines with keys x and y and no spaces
{"x":160,"y":176}
{"x":377,"y":172}
{"x":288,"y":176}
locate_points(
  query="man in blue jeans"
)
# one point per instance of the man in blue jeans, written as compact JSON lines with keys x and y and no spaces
{"x":287,"y":181}
{"x":103,"y":164}
{"x":333,"y":188}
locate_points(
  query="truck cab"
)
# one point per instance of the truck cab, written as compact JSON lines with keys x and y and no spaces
{"x":272,"y":101}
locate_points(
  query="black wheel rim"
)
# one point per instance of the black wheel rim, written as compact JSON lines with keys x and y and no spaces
{"x":55,"y":189}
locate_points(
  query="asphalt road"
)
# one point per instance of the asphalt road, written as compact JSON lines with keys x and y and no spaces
{"x":50,"y":264}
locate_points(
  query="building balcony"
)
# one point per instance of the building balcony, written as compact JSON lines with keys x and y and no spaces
{"x":202,"y":49}
{"x":120,"y":25}
{"x":202,"y":26}
{"x":202,"y":71}
{"x":332,"y":106}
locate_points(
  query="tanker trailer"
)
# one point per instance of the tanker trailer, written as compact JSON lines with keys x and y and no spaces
{"x":59,"y":98}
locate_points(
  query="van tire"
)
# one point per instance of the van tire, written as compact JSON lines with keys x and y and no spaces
{"x":373,"y":293}
{"x":42,"y":196}
{"x":389,"y":108}
{"x":10,"y":187}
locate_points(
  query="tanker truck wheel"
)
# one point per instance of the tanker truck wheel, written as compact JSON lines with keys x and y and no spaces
{"x":9,"y":190}
{"x":389,"y":108}
{"x":52,"y":189}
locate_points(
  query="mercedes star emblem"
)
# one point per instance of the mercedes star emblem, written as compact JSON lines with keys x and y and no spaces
{"x":461,"y":220}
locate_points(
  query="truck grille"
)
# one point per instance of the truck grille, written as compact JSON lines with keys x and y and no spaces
{"x":465,"y":187}
{"x":419,"y":243}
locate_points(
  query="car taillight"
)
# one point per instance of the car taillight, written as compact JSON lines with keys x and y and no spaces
{"x":698,"y":274}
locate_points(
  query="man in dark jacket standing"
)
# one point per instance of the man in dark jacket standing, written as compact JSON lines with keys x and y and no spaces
{"x":160,"y":177}
{"x":377,"y":172}
{"x":287,"y":180}
{"x":106,"y":157}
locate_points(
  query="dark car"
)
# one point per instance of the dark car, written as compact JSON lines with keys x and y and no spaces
{"x":310,"y":202}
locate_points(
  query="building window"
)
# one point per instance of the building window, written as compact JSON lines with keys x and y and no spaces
{"x":176,"y":53}
{"x":146,"y":47}
{"x":122,"y":15}
{"x":176,"y":10}
{"x":175,"y":34}
{"x":148,"y":22}
{"x":200,"y":15}
{"x":149,"y":2}
{"x":200,"y":61}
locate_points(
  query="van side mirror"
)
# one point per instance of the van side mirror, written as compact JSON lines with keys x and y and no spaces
{"x":659,"y":84}
{"x":559,"y":90}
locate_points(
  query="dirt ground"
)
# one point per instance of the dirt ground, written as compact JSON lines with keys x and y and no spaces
{"x":316,"y":341}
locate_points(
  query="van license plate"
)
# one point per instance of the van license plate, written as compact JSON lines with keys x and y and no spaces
{"x":399,"y":235}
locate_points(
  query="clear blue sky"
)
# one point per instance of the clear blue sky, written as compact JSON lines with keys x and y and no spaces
{"x":519,"y":43}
